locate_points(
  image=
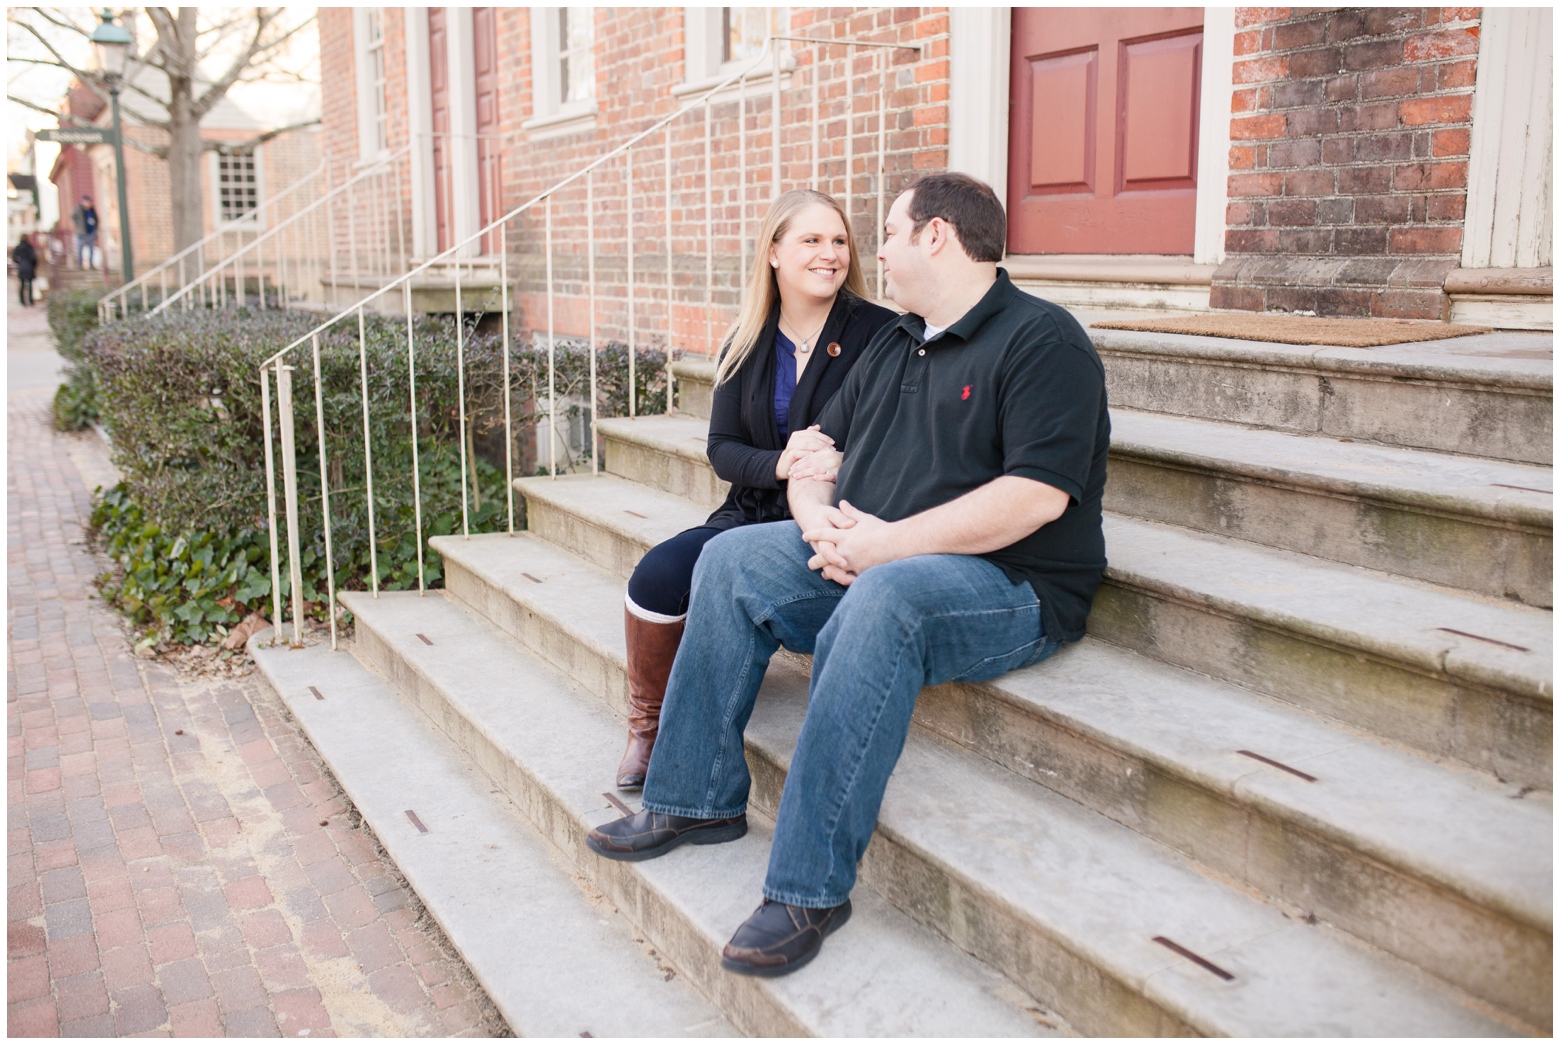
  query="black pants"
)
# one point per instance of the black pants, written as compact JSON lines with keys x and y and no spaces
{"x":25,"y":293}
{"x":664,"y":577}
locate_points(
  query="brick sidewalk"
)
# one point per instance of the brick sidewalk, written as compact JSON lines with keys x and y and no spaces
{"x":169,"y":871}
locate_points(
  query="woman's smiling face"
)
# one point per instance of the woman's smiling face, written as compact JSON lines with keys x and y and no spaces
{"x":812,"y":256}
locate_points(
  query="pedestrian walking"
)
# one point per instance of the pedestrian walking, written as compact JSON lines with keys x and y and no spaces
{"x":26,"y":259}
{"x":85,"y":217}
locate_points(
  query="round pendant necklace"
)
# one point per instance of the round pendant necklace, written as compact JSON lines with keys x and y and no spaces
{"x":804,"y":345}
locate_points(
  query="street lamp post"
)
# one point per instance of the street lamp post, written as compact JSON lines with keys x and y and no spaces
{"x":113,"y":48}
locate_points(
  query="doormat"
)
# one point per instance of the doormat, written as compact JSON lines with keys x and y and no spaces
{"x":1299,"y":330}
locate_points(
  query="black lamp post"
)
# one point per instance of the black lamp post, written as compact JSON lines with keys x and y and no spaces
{"x":113,"y":49}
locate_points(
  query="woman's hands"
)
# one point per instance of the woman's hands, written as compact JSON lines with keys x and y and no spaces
{"x":822,"y":465}
{"x":801,"y":443}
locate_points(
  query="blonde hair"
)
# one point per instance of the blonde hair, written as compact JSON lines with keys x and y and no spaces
{"x":763,"y":290}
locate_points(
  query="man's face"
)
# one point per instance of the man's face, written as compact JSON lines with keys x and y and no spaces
{"x":86,"y":201}
{"x":906,"y":267}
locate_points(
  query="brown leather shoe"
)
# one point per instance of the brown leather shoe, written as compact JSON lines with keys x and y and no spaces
{"x":644,"y":835}
{"x":651,"y":649}
{"x":778,"y":938}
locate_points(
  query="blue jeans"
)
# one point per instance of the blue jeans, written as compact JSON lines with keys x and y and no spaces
{"x":85,"y":246}
{"x":907,"y":624}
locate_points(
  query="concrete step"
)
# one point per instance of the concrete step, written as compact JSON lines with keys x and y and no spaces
{"x":1065,"y":900}
{"x":554,"y":748}
{"x":545,"y":951}
{"x":1157,"y":748}
{"x":1483,"y":526}
{"x":1457,"y":676}
{"x":695,"y":385}
{"x":1490,"y":396}
{"x":664,"y":453}
{"x":1469,"y":523}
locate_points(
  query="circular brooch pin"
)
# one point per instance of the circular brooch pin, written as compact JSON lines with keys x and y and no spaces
{"x":834,"y":348}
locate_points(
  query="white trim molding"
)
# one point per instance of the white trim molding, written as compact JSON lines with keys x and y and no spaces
{"x":460,"y":39}
{"x":980,"y":44}
{"x":419,"y":106}
{"x":1213,"y":134}
{"x":551,"y":116}
{"x":1510,"y":168}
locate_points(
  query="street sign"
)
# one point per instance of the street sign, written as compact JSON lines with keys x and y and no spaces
{"x":76,"y":135}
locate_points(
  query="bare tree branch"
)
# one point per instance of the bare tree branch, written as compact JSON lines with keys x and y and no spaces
{"x":37,"y":108}
{"x":202,"y":105}
{"x":241,"y":148}
{"x":86,"y":79}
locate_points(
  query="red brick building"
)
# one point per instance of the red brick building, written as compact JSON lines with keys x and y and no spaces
{"x":1385,"y":162}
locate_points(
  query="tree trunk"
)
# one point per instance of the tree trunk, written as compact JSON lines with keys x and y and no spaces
{"x":184,"y":141}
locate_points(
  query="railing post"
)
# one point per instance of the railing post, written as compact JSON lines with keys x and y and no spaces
{"x":817,"y":68}
{"x":881,"y":165}
{"x":590,"y":278}
{"x":774,"y":124}
{"x":270,"y":503}
{"x":633,"y":387}
{"x":368,"y":453}
{"x":850,"y":125}
{"x":284,"y":406}
{"x":628,"y":216}
{"x":509,"y":432}
{"x":330,"y":555}
{"x":460,"y":385}
{"x":411,"y":367}
{"x":709,"y":241}
{"x":742,"y":193}
{"x":552,"y":350}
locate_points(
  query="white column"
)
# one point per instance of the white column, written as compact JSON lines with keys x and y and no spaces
{"x":979,"y":49}
{"x":1510,"y":168}
{"x":419,"y":110}
{"x":1213,"y":134}
{"x":463,"y":124}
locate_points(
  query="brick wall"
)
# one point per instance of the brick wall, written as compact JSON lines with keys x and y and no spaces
{"x":1348,"y":159}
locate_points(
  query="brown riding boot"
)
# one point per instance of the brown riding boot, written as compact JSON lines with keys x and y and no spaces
{"x":651,"y":649}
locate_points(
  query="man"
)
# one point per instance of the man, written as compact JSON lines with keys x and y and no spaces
{"x":86,"y":220}
{"x":966,"y":542}
{"x":26,"y":260}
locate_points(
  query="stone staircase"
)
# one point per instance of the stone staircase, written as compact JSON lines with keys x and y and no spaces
{"x":1297,"y":781}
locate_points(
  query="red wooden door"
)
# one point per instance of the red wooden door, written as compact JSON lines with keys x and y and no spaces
{"x":439,"y":89}
{"x":1102,"y":140}
{"x":484,"y":34}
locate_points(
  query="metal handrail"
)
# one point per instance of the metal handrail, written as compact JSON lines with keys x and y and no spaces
{"x":276,"y":365}
{"x":104,"y":305}
{"x":375,"y":169}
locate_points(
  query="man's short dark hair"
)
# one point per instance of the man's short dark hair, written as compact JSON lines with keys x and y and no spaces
{"x":966,"y":203}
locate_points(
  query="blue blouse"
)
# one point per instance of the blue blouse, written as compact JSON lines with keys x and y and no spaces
{"x":785,"y":382}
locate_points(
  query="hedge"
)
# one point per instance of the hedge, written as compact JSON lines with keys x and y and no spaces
{"x":181,"y":398}
{"x":72,"y":318}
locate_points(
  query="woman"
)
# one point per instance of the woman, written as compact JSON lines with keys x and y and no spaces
{"x":26,"y":260}
{"x":805,"y":323}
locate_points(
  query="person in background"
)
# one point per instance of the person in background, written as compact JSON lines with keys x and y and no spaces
{"x":85,"y":217}
{"x":26,"y":259}
{"x":805,"y":323}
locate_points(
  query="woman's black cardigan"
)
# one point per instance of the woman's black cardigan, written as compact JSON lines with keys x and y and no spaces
{"x":745,"y":442}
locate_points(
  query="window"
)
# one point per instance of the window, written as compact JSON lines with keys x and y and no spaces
{"x":744,"y":29}
{"x":376,"y":80}
{"x":576,"y":60}
{"x":238,"y":188}
{"x":369,"y":43}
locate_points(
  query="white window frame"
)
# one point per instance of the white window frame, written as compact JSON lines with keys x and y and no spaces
{"x":551,"y":115}
{"x":704,"y":43}
{"x":215,"y":168}
{"x":373,"y":101}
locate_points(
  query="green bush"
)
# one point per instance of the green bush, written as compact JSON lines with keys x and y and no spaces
{"x":72,"y":318}
{"x":181,"y":397}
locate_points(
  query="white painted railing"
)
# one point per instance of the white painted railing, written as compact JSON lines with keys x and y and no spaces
{"x":624,"y":174}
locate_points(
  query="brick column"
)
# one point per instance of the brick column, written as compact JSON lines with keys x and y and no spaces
{"x":1348,"y":160}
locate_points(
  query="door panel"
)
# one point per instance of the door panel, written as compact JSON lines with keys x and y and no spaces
{"x":1103,"y":130}
{"x":439,"y":91}
{"x":484,"y":34}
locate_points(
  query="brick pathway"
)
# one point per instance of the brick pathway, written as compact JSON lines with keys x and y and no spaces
{"x":169,"y":871}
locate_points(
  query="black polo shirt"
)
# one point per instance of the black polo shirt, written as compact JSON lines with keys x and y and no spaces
{"x":1013,"y":388}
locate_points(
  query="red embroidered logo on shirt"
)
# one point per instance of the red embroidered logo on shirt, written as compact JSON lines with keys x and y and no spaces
{"x":966,"y":394}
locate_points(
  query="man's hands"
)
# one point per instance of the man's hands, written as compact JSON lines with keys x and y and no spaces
{"x":849,"y":541}
{"x":801,"y":443}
